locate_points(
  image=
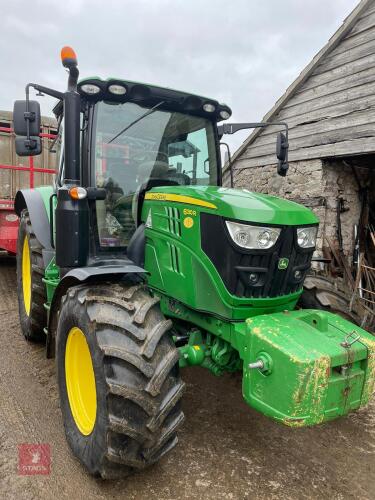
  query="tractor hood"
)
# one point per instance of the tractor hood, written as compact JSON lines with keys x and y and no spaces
{"x":239,"y":204}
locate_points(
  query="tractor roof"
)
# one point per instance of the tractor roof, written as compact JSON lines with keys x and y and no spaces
{"x":150,"y":95}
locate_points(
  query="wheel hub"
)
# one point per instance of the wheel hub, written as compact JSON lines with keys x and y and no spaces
{"x":80,"y":381}
{"x":26,"y":275}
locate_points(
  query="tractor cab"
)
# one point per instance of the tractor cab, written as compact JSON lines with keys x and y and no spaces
{"x":122,"y":139}
{"x":137,"y":145}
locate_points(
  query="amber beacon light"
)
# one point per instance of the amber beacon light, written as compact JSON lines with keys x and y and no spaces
{"x":68,"y":56}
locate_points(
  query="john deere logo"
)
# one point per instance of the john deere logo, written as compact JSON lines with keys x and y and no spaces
{"x":283,"y":263}
{"x":188,"y":222}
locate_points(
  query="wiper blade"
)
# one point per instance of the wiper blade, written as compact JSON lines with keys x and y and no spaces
{"x":149,"y":112}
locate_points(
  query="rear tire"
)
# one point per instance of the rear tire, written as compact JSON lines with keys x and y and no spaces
{"x":136,"y":378}
{"x":31,"y":290}
{"x":326,"y":294}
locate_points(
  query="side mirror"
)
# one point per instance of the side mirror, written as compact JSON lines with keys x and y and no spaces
{"x":282,"y":154}
{"x":281,"y":146}
{"x":282,"y":168}
{"x":28,"y":147}
{"x":26,"y":122}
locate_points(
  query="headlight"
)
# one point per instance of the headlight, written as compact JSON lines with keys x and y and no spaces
{"x":253,"y":237}
{"x":306,"y":236}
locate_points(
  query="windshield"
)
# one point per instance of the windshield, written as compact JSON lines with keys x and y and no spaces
{"x":135,"y":145}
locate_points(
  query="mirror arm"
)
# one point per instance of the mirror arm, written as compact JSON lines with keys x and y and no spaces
{"x":44,"y":90}
{"x":229,"y":163}
{"x":232,"y":128}
{"x":30,"y":116}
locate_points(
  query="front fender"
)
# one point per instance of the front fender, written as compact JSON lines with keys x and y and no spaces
{"x":36,"y":202}
{"x":87,"y":275}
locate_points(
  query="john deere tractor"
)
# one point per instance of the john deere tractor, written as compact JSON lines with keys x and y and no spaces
{"x":137,"y":262}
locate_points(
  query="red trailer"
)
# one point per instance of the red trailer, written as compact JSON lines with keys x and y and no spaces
{"x":17,"y":177}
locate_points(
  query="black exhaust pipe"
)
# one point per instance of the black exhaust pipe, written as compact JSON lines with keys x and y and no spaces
{"x":72,"y":216}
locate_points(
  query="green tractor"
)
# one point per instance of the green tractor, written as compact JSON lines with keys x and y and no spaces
{"x":137,"y":262}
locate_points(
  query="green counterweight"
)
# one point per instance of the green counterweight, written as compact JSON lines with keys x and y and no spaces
{"x":322,"y":366}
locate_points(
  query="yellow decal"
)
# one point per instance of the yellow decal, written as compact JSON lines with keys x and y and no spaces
{"x":189,"y":211}
{"x":179,"y":198}
{"x":196,"y":347}
{"x":188,"y":222}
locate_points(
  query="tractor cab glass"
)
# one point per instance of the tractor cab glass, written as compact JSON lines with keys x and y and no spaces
{"x":135,"y":146}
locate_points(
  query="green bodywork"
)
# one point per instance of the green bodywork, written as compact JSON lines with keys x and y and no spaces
{"x":308,"y":376}
{"x":177,"y":264}
{"x":300,"y":367}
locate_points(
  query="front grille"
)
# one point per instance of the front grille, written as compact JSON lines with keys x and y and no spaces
{"x":235,"y":265}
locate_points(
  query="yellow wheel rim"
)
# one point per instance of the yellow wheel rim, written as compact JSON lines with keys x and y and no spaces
{"x":26,"y":275}
{"x":80,"y":381}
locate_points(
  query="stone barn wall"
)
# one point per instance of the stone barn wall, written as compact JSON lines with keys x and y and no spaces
{"x":316,"y":184}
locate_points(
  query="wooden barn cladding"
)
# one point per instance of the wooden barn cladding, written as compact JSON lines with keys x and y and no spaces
{"x":330,"y":107}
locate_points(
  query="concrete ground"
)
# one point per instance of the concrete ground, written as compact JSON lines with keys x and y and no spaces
{"x":226,"y":449}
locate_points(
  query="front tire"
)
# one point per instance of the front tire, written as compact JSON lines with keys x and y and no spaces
{"x":31,"y":290}
{"x":115,"y":353}
{"x":324,"y":293}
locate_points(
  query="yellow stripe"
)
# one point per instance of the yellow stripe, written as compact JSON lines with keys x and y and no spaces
{"x":179,"y":198}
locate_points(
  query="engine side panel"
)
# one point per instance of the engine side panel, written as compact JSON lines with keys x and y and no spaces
{"x":180,"y":269}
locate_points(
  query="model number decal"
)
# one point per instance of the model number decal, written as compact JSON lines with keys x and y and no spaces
{"x":189,"y":211}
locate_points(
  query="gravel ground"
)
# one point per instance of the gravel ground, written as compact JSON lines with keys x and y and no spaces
{"x":226,"y":449}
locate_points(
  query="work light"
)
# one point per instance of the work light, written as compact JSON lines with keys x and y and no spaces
{"x":90,"y":88}
{"x":117,"y":89}
{"x":224,"y":114}
{"x":208,"y":107}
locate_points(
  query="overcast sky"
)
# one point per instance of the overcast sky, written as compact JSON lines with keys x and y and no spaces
{"x":242,"y":52}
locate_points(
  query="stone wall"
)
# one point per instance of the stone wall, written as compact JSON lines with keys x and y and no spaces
{"x":316,"y":184}
{"x":339,"y":181}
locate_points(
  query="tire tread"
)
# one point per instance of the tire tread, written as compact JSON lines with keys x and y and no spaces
{"x":140,"y":370}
